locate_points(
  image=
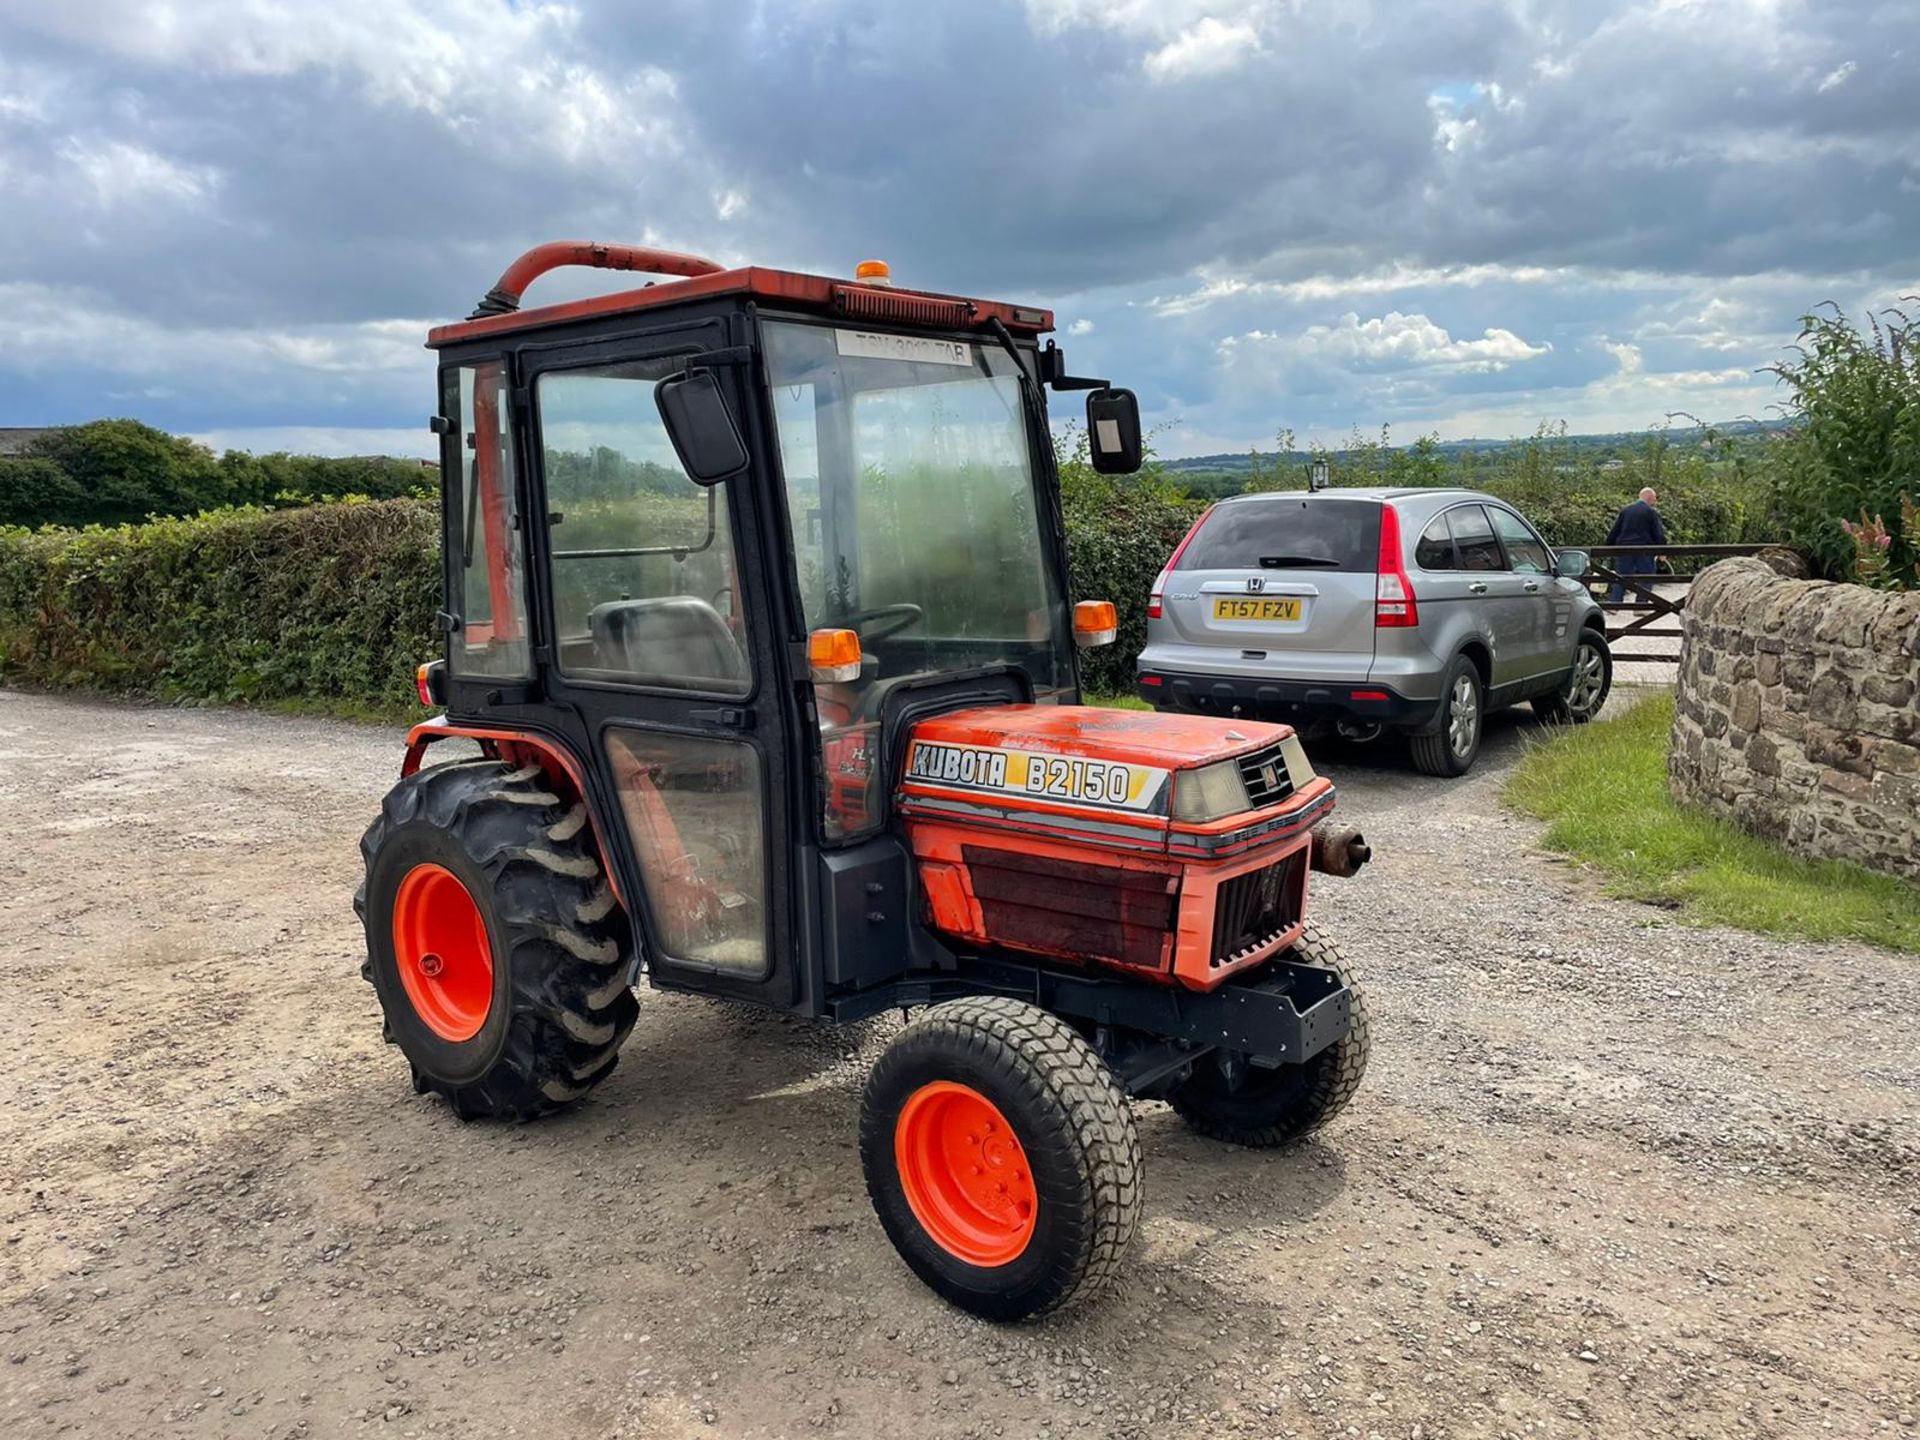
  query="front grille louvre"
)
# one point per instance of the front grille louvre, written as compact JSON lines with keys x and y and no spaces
{"x":1255,"y":909}
{"x":1069,"y":907}
{"x":866,"y":302}
{"x":1255,"y":770}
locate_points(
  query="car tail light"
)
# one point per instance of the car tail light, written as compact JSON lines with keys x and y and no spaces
{"x":1393,"y":602}
{"x":1173,"y":560}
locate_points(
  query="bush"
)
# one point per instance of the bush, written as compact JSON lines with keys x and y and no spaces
{"x":332,"y":603}
{"x":1120,"y":531}
{"x":1855,"y":453}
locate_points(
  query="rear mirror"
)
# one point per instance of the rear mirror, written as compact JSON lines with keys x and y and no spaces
{"x":1113,"y":431}
{"x":1571,"y":564}
{"x":700,"y":426}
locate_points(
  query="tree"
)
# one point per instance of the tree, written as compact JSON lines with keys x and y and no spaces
{"x":126,"y":471}
{"x":34,"y":491}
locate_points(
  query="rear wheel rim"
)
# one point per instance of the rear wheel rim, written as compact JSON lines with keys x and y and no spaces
{"x":965,"y":1174}
{"x":1463,"y":717}
{"x":440,"y":948}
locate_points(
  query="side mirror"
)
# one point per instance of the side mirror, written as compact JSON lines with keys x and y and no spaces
{"x":700,"y":426}
{"x":1571,"y":564}
{"x":1113,"y":431}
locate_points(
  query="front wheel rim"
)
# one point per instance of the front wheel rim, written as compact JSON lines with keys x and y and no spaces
{"x":1463,"y":717}
{"x":965,"y":1174}
{"x":441,"y":950}
{"x":1584,"y":693}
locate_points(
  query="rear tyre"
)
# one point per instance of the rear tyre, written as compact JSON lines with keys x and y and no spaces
{"x":1583,"y":693}
{"x":493,"y":940}
{"x":1001,"y":1157}
{"x":1268,"y":1108}
{"x":1450,"y":750}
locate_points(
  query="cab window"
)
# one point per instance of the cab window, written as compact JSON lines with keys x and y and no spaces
{"x":485,"y":546}
{"x":644,"y":581}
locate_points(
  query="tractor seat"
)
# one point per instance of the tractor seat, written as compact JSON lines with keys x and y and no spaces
{"x":676,"y":639}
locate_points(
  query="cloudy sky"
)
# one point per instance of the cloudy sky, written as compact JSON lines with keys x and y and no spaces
{"x":236,"y":218}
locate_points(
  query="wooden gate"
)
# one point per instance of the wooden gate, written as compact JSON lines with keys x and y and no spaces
{"x":1639,"y":612}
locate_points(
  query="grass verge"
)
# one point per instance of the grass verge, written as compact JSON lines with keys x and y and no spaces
{"x":1602,"y":789}
{"x":1118,"y":702}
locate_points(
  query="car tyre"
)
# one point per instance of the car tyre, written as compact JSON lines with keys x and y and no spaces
{"x":1584,"y":692}
{"x":1450,"y":749}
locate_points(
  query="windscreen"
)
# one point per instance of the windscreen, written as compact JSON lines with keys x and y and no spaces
{"x":1287,"y":532}
{"x":911,"y":489}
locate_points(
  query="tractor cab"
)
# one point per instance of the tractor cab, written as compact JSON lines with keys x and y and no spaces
{"x":757,"y":608}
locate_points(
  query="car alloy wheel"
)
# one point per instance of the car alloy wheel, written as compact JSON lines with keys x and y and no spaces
{"x":1586,"y":686}
{"x":1463,"y":717}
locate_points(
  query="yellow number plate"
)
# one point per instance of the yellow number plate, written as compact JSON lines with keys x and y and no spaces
{"x":1256,"y":609}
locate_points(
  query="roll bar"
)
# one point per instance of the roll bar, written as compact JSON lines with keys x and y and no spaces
{"x":504,"y":298}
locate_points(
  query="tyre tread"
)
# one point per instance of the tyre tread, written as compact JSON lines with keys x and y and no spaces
{"x":1330,"y":1085}
{"x":1054,"y":1069}
{"x":560,"y":936}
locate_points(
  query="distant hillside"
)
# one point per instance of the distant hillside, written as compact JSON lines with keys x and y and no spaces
{"x":1590,"y":448}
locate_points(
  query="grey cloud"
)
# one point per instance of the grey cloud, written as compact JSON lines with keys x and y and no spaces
{"x":1618,"y":169}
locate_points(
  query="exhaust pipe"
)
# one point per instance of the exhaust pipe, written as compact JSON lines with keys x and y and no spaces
{"x":1339,"y":853}
{"x":504,"y":298}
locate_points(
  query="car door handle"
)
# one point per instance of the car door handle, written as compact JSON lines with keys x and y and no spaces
{"x":1478,"y":587}
{"x":1533,"y":587}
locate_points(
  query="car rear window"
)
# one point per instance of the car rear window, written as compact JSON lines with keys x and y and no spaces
{"x":1287,"y":532}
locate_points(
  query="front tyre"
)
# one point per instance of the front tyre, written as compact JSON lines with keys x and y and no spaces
{"x":493,"y":941}
{"x":1001,"y":1157}
{"x":1262,"y":1108}
{"x":1582,"y":694}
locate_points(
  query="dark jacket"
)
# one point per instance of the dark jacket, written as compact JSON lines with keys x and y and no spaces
{"x":1638,"y":524}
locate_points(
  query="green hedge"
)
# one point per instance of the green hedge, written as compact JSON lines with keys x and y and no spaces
{"x":331,"y":604}
{"x":1118,"y":537}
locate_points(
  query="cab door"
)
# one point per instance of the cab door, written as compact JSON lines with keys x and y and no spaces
{"x":658,"y":656}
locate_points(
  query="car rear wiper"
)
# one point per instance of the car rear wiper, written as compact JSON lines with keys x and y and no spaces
{"x":1291,"y":562}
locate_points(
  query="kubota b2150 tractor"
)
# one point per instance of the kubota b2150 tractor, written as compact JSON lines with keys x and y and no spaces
{"x":757,"y":607}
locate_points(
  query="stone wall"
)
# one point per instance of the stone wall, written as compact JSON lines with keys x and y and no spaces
{"x":1797,"y":712}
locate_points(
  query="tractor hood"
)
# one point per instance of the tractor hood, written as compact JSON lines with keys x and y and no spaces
{"x":1112,"y":774}
{"x":1092,"y":732}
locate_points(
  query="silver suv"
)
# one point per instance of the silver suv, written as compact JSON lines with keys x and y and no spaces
{"x":1412,"y":610}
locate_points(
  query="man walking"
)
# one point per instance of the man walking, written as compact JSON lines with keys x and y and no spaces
{"x":1637,"y":524}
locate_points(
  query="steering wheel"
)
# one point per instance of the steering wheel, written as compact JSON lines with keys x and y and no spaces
{"x":886,"y":620}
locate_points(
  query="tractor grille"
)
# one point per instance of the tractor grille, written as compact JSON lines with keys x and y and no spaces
{"x":1265,"y":775}
{"x":1255,"y":909}
{"x":1068,"y":907}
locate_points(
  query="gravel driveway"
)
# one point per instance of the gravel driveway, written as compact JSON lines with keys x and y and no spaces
{"x":1607,"y":1176}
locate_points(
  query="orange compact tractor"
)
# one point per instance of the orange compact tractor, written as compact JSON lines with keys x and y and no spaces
{"x":757,"y":609}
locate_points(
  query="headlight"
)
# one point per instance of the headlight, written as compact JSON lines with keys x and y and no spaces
{"x":1299,"y":768}
{"x":1209,"y":793}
